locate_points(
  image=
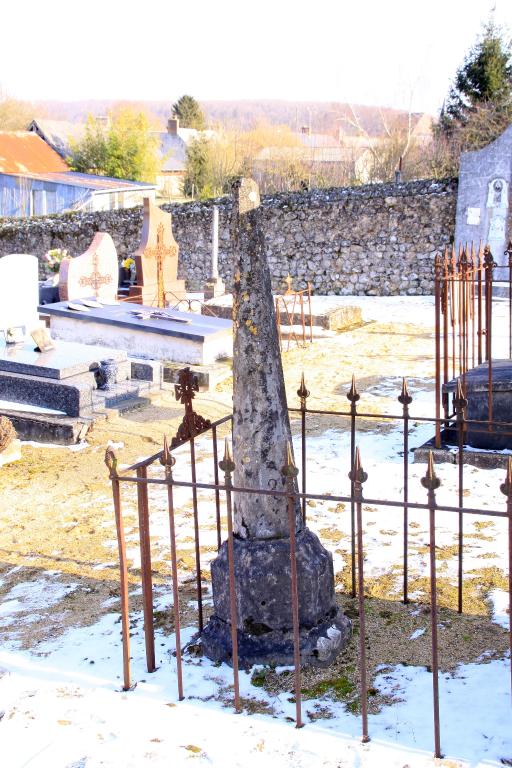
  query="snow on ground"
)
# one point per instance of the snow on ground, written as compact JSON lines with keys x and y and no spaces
{"x":64,"y":707}
{"x":61,"y":705}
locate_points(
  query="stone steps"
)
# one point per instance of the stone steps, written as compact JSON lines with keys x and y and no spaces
{"x":121,"y":394}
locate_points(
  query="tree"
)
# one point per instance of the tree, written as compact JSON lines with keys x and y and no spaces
{"x":198,"y":169}
{"x":126,"y":149}
{"x":482,"y":87}
{"x":14,"y":115}
{"x":189,"y":112}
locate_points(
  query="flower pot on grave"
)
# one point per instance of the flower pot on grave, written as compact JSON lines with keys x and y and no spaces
{"x":107,"y":373}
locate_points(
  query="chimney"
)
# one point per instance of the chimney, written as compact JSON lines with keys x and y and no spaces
{"x":103,"y":121}
{"x":173,"y":124}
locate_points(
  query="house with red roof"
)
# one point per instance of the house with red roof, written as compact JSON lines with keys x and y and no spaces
{"x":36,"y":181}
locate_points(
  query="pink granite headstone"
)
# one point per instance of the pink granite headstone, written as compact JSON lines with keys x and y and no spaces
{"x":156,"y":261}
{"x":93,"y":273}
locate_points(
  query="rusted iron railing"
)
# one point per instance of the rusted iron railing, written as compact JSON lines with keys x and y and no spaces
{"x":290,"y":307}
{"x":194,"y":426}
{"x":464,"y":320}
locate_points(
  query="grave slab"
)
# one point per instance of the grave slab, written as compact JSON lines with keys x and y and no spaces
{"x":65,"y":360}
{"x":186,"y":338}
{"x":60,"y":430}
{"x":72,"y":398}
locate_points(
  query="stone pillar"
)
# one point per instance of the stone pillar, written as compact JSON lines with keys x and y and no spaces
{"x":215,"y":243}
{"x":261,"y":431}
{"x":215,"y":285}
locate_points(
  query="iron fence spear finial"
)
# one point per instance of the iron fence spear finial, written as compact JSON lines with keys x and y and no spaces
{"x":167,"y":459}
{"x":289,"y":469}
{"x":303,"y":392}
{"x":404,"y":398}
{"x":227,"y":464}
{"x":353,"y":395}
{"x":111,"y":462}
{"x":431,"y":481}
{"x":358,"y":475}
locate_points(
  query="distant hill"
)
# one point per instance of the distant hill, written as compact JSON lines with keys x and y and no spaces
{"x":322,"y":117}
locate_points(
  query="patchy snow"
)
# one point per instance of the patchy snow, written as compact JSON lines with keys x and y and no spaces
{"x":61,"y":705}
{"x":500,"y":604}
{"x":64,"y":707}
{"x":73,"y":448}
{"x":12,"y":405}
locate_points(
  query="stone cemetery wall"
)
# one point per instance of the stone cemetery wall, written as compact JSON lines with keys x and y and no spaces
{"x":377,"y":239}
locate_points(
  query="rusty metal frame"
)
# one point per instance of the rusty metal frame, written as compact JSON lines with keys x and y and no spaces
{"x":138,"y":474}
{"x":301,"y":302}
{"x":463,"y":311}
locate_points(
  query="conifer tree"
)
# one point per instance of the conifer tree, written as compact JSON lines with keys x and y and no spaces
{"x":189,"y":112}
{"x":482,"y":86}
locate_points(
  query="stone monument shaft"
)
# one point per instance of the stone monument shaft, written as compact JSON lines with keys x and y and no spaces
{"x":261,"y":427}
{"x":261,"y":432}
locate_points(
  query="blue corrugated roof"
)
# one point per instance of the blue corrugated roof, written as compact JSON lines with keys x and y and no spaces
{"x":87,"y":181}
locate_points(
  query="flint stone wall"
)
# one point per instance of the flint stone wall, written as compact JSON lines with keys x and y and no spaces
{"x":378,"y":239}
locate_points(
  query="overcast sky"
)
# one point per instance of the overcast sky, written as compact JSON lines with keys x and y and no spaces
{"x":383,"y":52}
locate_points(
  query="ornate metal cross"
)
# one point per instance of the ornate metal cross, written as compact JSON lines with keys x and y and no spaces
{"x":160,"y":251}
{"x":95,"y":280}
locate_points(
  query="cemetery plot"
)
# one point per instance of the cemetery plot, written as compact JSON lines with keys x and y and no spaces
{"x":73,"y":537}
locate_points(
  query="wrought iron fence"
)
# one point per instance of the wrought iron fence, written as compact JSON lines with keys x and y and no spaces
{"x":194,"y":426}
{"x":464,"y":326}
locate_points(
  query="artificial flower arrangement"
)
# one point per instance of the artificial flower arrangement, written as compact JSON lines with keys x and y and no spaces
{"x":54,"y":257}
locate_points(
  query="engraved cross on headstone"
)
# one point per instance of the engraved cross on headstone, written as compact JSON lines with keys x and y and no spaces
{"x":95,"y":280}
{"x":160,"y":251}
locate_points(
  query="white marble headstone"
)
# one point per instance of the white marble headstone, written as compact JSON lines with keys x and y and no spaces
{"x":19,"y":292}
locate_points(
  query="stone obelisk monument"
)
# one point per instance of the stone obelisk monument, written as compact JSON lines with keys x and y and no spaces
{"x":214,"y":285}
{"x":261,"y":431}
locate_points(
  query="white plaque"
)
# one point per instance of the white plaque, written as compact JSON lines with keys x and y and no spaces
{"x":473,"y":216}
{"x":497,"y":228}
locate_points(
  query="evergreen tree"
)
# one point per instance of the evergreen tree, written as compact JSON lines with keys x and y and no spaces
{"x":482,"y":85}
{"x":189,"y":113}
{"x":198,"y":168}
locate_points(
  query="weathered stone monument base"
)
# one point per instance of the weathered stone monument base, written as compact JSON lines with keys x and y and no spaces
{"x":264,"y":608}
{"x":148,"y":294}
{"x":214,"y":288}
